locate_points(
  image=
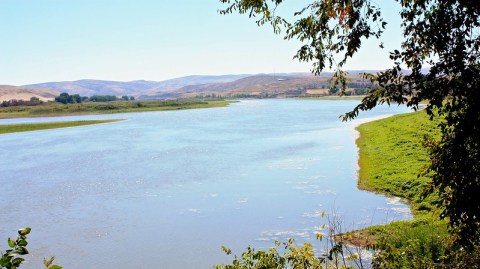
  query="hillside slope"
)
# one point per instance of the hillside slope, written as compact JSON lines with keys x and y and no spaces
{"x":89,"y":87}
{"x":8,"y":92}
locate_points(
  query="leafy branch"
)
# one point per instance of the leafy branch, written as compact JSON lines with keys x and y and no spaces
{"x":12,"y":260}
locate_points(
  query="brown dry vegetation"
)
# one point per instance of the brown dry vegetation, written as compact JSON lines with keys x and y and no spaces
{"x":24,"y":93}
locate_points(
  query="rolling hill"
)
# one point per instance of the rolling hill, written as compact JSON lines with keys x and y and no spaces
{"x":263,"y":85}
{"x":260,"y":85}
{"x":89,"y":87}
{"x":8,"y":92}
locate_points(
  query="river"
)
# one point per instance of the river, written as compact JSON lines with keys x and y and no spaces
{"x":167,"y":189}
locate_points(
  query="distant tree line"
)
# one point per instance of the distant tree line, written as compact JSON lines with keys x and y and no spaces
{"x":34,"y":101}
{"x":66,"y":98}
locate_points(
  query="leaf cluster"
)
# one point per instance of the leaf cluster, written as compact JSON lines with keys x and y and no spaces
{"x":326,"y":28}
{"x":290,"y":255}
{"x":11,"y":259}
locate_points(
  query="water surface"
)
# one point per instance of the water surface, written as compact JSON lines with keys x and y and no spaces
{"x":167,"y":189}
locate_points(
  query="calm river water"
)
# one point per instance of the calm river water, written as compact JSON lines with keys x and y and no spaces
{"x":168,"y":189}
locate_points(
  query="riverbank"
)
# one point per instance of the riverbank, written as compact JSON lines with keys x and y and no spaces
{"x":91,"y":108}
{"x":393,"y":162}
{"x":29,"y":127}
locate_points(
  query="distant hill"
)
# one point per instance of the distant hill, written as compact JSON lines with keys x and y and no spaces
{"x":264,"y":85}
{"x":8,"y":92}
{"x":89,"y":87}
{"x":260,"y":85}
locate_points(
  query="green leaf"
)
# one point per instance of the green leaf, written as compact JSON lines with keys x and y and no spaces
{"x":226,"y":250}
{"x":55,"y":267}
{"x":22,"y":243}
{"x":24,"y":231}
{"x":47,"y":263}
{"x":17,"y":261}
{"x":11,"y":243}
{"x":5,"y":260}
{"x":21,"y":251}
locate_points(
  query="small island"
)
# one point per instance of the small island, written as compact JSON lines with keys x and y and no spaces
{"x":28,"y":127}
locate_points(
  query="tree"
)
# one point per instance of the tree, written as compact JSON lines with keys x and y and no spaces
{"x":102,"y":98}
{"x":441,"y":52}
{"x":35,"y":100}
{"x":62,"y":98}
{"x":76,"y":99}
{"x":66,"y":98}
{"x":128,"y":98}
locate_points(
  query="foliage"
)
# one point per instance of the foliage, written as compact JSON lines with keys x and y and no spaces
{"x":335,"y":255}
{"x":421,"y":243}
{"x":34,"y":101}
{"x":441,"y":50}
{"x":11,"y":259}
{"x":66,"y":98}
{"x":102,"y":98}
{"x":326,"y":27}
{"x":26,"y":127}
{"x":128,"y":98}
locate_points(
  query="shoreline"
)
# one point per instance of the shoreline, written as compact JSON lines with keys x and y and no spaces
{"x":358,"y":238}
{"x":390,"y":159}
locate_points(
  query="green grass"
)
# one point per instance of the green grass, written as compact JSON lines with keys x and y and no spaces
{"x":57,"y":109}
{"x":26,"y":127}
{"x":393,"y":162}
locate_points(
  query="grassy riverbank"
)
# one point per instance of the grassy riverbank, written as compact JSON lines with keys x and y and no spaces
{"x":26,"y":127}
{"x":393,"y":162}
{"x":391,"y":158}
{"x":57,"y":109}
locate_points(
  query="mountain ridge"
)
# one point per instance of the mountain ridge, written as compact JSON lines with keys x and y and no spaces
{"x":232,"y":85}
{"x":89,"y":87}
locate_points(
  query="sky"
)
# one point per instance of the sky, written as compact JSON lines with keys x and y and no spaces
{"x":124,"y":40}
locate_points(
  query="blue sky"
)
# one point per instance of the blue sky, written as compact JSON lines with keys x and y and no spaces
{"x":58,"y":40}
